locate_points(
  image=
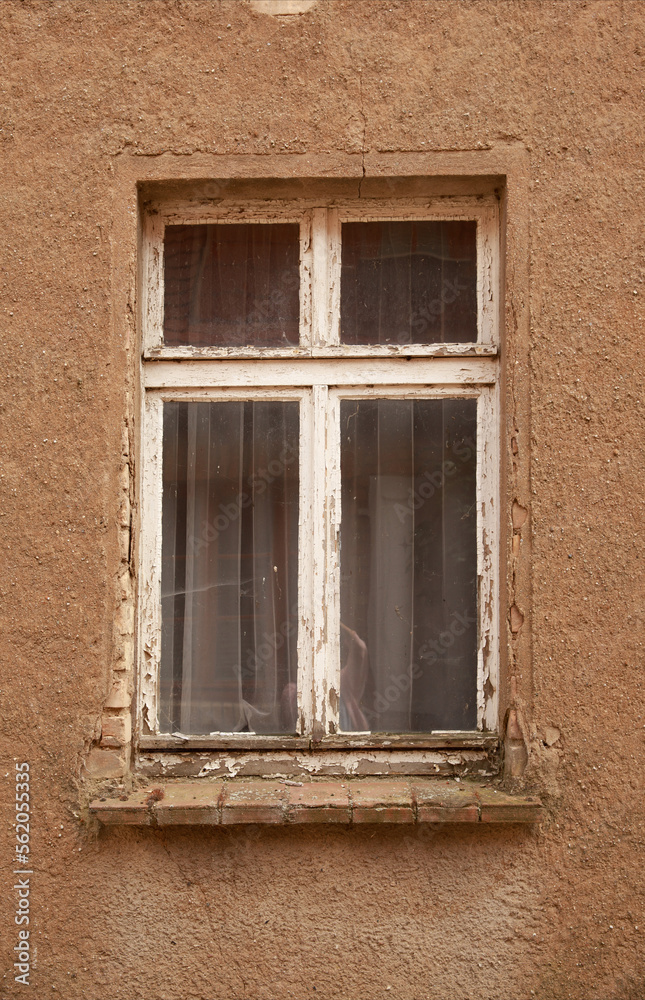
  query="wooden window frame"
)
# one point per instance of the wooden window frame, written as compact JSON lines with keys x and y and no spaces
{"x":319,"y":372}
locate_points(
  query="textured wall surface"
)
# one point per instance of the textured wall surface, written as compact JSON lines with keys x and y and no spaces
{"x":551,"y":913}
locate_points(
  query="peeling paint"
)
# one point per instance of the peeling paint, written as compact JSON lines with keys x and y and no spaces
{"x":316,"y":763}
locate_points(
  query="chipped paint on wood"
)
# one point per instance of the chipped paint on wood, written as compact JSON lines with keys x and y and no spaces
{"x":306,"y":568}
{"x":304,"y":350}
{"x":152,"y":291}
{"x":316,"y":371}
{"x":306,"y":265}
{"x":351,"y":763}
{"x":488,"y":559}
{"x":320,"y":268}
{"x":342,"y":741}
{"x":332,"y":577}
{"x":319,"y":532}
{"x":150,"y":562}
{"x":488,"y":277}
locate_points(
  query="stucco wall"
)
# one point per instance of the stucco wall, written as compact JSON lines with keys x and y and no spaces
{"x":86,"y":87}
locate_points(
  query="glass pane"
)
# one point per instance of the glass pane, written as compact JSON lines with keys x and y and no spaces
{"x":229,"y":581}
{"x":408,"y":563}
{"x":231,"y":285}
{"x":408,"y":283}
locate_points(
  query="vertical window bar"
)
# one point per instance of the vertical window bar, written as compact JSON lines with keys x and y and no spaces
{"x":150,"y":561}
{"x":487,"y":558}
{"x":487,"y":278}
{"x":326,"y":278}
{"x":306,"y":569}
{"x":306,"y":260}
{"x":319,"y":508}
{"x":331,"y":464}
{"x":334,"y":265}
{"x":152,"y":283}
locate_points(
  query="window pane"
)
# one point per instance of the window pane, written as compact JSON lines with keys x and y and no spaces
{"x":229,"y":567}
{"x":408,"y":282}
{"x":231,"y":285}
{"x":408,"y":565}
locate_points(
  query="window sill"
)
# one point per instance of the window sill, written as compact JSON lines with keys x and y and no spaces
{"x":354,"y":801}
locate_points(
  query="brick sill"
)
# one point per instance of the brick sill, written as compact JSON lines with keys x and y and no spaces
{"x":355,"y":801}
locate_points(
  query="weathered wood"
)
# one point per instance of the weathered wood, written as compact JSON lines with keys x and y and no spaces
{"x":369,"y":741}
{"x":282,"y":373}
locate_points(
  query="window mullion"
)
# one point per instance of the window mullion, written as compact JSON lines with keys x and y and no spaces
{"x":306,"y":569}
{"x":332,"y":549}
{"x":325,"y":286}
{"x":334,"y":266}
{"x":306,"y":258}
{"x":324,"y":503}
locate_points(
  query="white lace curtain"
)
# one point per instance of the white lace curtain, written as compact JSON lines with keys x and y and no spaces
{"x":229,"y":575}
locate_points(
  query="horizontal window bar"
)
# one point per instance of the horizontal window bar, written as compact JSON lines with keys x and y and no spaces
{"x":381,"y":741}
{"x":322,"y":371}
{"x":188,"y":353}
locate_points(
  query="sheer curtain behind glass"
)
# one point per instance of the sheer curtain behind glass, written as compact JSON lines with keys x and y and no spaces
{"x":408,"y":565}
{"x":229,"y":567}
{"x":231,"y":284}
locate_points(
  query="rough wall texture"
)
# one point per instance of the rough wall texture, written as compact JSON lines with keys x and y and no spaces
{"x":553,"y":913}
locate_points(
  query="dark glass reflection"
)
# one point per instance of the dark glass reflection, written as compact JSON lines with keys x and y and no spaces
{"x":231,"y":285}
{"x":409,"y":282}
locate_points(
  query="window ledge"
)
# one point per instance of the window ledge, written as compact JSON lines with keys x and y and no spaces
{"x":355,"y":801}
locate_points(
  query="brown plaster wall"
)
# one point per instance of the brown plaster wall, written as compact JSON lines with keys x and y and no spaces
{"x":86,"y":88}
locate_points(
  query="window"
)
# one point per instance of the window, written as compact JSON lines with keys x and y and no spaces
{"x":320,"y":473}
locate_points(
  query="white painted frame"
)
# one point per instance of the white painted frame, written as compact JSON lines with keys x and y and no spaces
{"x":319,"y":372}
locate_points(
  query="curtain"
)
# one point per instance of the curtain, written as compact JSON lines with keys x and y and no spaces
{"x":229,"y":567}
{"x":231,"y":284}
{"x":408,"y":565}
